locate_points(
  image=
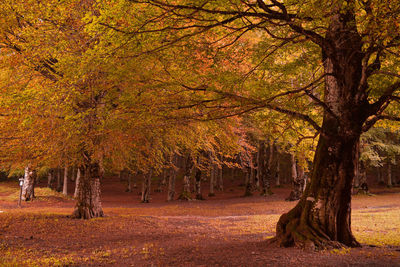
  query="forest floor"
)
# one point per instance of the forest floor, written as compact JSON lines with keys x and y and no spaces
{"x":226,"y":230}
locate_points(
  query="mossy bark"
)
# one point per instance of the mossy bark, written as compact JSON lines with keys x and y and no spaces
{"x":322,"y":217}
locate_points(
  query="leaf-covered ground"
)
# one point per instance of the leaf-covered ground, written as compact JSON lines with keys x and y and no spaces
{"x":227,"y":230}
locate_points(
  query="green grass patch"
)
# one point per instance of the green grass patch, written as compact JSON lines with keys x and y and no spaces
{"x":377,"y":227}
{"x":10,"y":193}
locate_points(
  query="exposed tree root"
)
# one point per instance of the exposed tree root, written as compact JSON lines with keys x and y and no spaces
{"x":87,"y":213}
{"x":292,"y":231}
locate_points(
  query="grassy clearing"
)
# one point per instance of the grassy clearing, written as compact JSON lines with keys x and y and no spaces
{"x":377,"y":227}
{"x":9,"y":192}
{"x":7,"y":188}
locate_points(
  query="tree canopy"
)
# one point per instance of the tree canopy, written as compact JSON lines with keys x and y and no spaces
{"x":127,"y":83}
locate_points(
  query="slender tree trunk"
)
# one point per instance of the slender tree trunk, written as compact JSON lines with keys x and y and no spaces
{"x":65,"y":183}
{"x":88,"y":203}
{"x":77,"y":180}
{"x":248,"y":186}
{"x":212,"y":180}
{"x":232,"y":174}
{"x":171,"y":180}
{"x":186,"y":194}
{"x":247,"y":165}
{"x":381,"y":181}
{"x":59,"y":179}
{"x":50,"y":179}
{"x":220,"y":179}
{"x":28,"y":188}
{"x":73,"y":171}
{"x":199,"y":196}
{"x":277,"y":170}
{"x":146,"y":187}
{"x":259,"y":166}
{"x":164,"y":178}
{"x":266,"y":171}
{"x":298,"y":180}
{"x":361,"y":176}
{"x":129,"y":180}
{"x":253,"y":173}
{"x":389,"y":174}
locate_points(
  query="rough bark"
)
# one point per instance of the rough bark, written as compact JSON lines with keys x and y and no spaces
{"x":65,"y":183}
{"x":220,"y":179}
{"x":146,"y":187}
{"x":88,"y":203}
{"x":322,"y":217}
{"x":28,"y":188}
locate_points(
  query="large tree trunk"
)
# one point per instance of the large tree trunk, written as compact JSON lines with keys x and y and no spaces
{"x":322,"y":217}
{"x":65,"y":183}
{"x":88,"y":203}
{"x":28,"y":188}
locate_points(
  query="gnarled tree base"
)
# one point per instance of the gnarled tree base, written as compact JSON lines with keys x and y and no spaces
{"x":293,"y":230}
{"x":185,"y":196}
{"x":81,"y":212}
{"x":88,"y":195}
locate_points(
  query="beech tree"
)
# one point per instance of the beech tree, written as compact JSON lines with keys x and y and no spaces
{"x":344,"y":56}
{"x":119,"y":82}
{"x":73,"y":98}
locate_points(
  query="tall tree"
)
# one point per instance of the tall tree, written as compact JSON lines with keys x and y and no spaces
{"x":355,"y":84}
